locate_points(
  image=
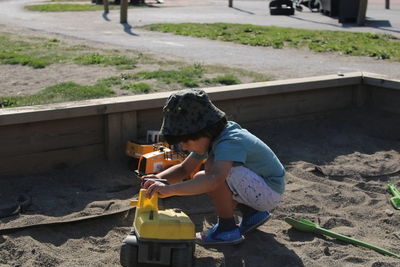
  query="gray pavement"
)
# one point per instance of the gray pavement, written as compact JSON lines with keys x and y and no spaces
{"x":280,"y":63}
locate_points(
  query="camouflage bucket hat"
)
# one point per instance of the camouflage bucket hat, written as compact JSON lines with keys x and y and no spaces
{"x":189,"y":111}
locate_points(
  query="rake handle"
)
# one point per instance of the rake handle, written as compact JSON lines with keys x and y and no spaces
{"x":355,"y":241}
{"x":393,"y":190}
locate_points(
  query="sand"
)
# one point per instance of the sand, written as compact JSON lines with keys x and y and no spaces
{"x":338,"y":165}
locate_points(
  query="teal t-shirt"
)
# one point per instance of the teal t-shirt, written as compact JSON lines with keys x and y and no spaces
{"x":243,"y":148}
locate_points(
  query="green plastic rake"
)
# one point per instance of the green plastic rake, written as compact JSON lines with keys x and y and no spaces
{"x":308,"y":226}
{"x":395,"y":200}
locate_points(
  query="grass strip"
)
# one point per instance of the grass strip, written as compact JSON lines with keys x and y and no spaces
{"x":138,"y":88}
{"x":186,"y":76}
{"x":40,"y":53}
{"x":68,"y":7}
{"x":33,"y":53}
{"x":121,"y":62}
{"x":68,"y":91}
{"x":183,"y":77}
{"x":380,"y":46}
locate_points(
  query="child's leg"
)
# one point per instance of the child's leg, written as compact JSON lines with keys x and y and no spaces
{"x":225,"y":231}
{"x":245,"y":210}
{"x":254,"y":196}
{"x":223,"y":203}
{"x":251,"y":190}
{"x":221,"y":196}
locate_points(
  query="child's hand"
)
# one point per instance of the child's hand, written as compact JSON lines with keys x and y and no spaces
{"x":154,"y":187}
{"x":151,"y":178}
{"x":148,"y":176}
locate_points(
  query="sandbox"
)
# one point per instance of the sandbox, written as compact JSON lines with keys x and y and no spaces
{"x":338,"y":137}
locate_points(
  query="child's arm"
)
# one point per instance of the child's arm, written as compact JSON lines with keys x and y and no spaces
{"x":177,"y":173}
{"x":204,"y":182}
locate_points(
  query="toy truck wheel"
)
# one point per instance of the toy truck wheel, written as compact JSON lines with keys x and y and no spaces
{"x":129,"y":255}
{"x":183,"y":257}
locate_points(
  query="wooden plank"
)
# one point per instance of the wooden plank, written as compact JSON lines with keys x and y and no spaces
{"x":360,"y":96}
{"x":230,"y":107}
{"x":129,"y":126}
{"x":45,"y":131}
{"x":381,"y":81}
{"x":385,"y":99}
{"x":113,"y":136}
{"x":157,"y":100}
{"x":286,"y":105}
{"x":45,"y":161}
{"x":149,"y":120}
{"x":44,"y":136}
{"x":119,"y":128}
{"x":129,"y":129}
{"x":283,"y":86}
{"x":84,"y":108}
{"x":384,"y":93}
{"x":265,"y":107}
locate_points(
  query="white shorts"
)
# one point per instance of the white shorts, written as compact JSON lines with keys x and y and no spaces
{"x":250,"y":189}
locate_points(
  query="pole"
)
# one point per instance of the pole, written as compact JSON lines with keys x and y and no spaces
{"x":124,"y":11}
{"x":106,"y":9}
{"x":387,"y":4}
{"x":362,"y":11}
{"x":230,"y":4}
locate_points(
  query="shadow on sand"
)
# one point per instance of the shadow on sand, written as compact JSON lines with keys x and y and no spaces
{"x":266,"y":252}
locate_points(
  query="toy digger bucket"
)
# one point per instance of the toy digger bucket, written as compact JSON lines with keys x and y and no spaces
{"x":395,"y":200}
{"x":145,"y":203}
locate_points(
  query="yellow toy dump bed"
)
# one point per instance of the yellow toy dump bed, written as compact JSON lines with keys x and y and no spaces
{"x":157,"y":161}
{"x":153,"y":224}
{"x":136,"y":150}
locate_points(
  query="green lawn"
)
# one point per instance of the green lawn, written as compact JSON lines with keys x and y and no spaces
{"x":40,"y":52}
{"x":165,"y":75}
{"x":137,"y":83}
{"x":66,"y":7}
{"x":380,"y":46}
{"x":144,"y":74}
{"x":62,"y":92}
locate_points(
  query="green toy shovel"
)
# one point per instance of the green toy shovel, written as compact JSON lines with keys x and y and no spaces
{"x":308,"y":226}
{"x":395,"y":200}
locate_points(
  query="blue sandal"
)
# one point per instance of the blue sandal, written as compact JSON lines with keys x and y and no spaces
{"x":252,"y":222}
{"x":211,"y":237}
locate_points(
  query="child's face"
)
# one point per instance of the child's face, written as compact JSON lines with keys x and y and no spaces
{"x":200,"y":146}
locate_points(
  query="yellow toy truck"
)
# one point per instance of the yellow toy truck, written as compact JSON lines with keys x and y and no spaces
{"x":162,"y":237}
{"x":159,"y":160}
{"x":136,"y":150}
{"x":153,"y":156}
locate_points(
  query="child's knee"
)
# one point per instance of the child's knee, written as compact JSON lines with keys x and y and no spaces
{"x":198,"y":174}
{"x":270,"y":203}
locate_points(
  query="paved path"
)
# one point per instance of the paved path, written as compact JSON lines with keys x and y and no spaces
{"x":281,"y":63}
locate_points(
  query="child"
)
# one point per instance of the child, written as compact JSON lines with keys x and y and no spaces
{"x":239,"y":170}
